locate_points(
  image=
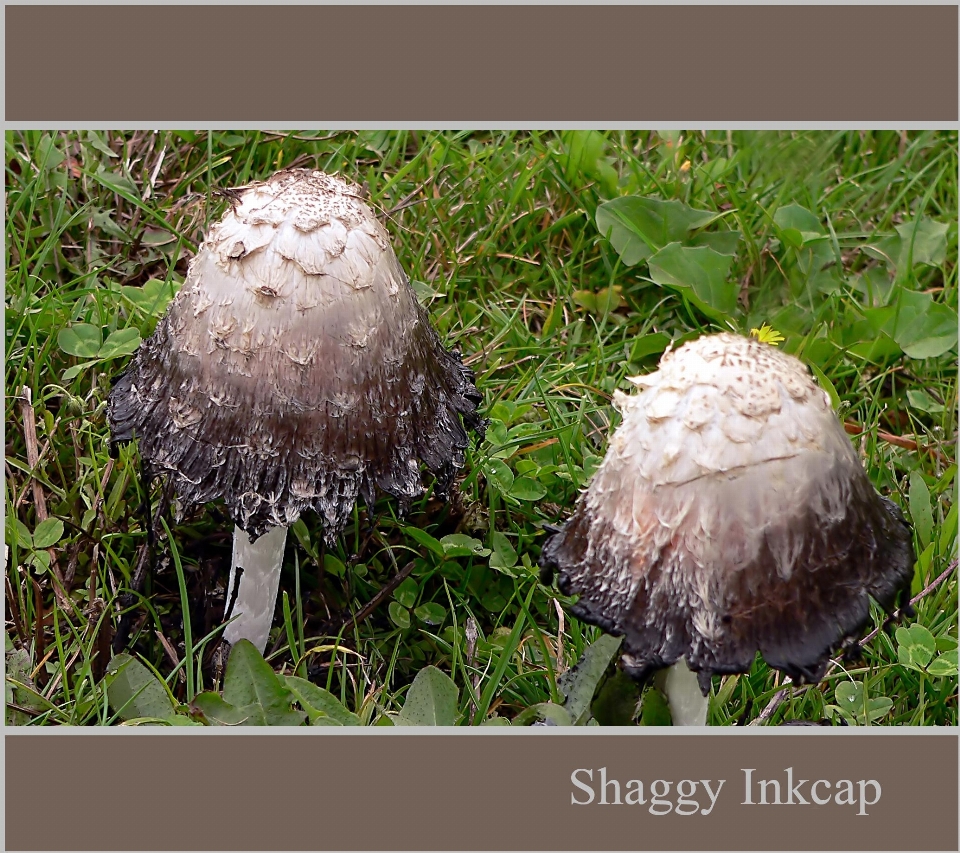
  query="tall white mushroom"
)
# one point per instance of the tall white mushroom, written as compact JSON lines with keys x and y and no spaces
{"x":731,"y":515}
{"x":295,"y":370}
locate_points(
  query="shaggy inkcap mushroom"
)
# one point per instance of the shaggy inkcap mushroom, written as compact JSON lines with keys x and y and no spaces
{"x":731,"y":515}
{"x":295,"y":370}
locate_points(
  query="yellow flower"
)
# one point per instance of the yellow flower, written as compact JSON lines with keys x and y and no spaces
{"x":767,"y":335}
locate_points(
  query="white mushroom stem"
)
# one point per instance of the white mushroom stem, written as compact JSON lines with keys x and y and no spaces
{"x":688,"y":705}
{"x":258,"y":564}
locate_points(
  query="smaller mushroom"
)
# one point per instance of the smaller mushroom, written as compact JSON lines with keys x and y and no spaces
{"x":295,"y":370}
{"x":730,"y":516}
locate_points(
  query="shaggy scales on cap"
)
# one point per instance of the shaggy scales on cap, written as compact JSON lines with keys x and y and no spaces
{"x":295,"y":370}
{"x":731,"y":515}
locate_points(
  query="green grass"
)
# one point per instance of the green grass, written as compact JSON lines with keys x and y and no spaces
{"x":499,"y":232}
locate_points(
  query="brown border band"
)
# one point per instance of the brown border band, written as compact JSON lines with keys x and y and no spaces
{"x":392,"y":791}
{"x":504,"y":64}
{"x":423,"y":65}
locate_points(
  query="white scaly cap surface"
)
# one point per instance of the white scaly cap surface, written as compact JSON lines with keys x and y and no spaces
{"x":295,"y":369}
{"x":730,"y":515}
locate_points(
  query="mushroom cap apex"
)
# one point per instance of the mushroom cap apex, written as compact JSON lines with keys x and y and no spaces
{"x":308,"y":196}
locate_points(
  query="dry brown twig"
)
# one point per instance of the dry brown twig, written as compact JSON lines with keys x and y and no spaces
{"x":383,"y":593}
{"x":39,"y":499}
{"x":907,"y":443}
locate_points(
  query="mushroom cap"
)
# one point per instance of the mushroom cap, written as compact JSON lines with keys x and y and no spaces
{"x":295,"y":368}
{"x":731,"y":515}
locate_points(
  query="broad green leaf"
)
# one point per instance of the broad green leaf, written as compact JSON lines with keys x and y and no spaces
{"x":616,"y":702}
{"x":399,"y":615}
{"x":40,"y":560}
{"x":48,"y":156}
{"x":944,"y":665}
{"x":654,"y":709}
{"x":431,"y":613}
{"x":528,"y":466}
{"x":932,"y":336}
{"x":119,"y":343}
{"x":152,"y":297}
{"x":17,"y":682}
{"x":219,"y":713}
{"x":499,"y":475}
{"x":583,"y":148}
{"x":493,"y":601}
{"x":425,"y":539}
{"x":497,"y":437}
{"x":461,"y":545}
{"x":496,"y":431}
{"x":256,"y":714}
{"x":544,"y":712}
{"x":553,"y":321}
{"x":915,"y":646}
{"x":602,"y":301}
{"x":878,"y":707}
{"x":320,"y":704}
{"x":906,"y":306}
{"x":875,"y":283}
{"x":579,"y":684}
{"x":647,"y":345}
{"x":47,"y":533}
{"x":334,"y":565}
{"x":923,"y":402}
{"x":584,"y":156}
{"x":80,"y":339}
{"x":17,"y":672}
{"x":106,"y":223}
{"x":72,"y":372}
{"x":526,"y":489}
{"x":591,"y":463}
{"x":425,"y":293}
{"x":302,"y":534}
{"x":722,"y":242}
{"x":255,"y":689}
{"x":714,"y":170}
{"x":927,"y":238}
{"x":118,"y":183}
{"x":18,"y":533}
{"x":94,"y":138}
{"x":921,"y":327}
{"x":700,"y":274}
{"x":920,"y":510}
{"x":946,"y":643}
{"x":134,"y":691}
{"x":884,"y":248}
{"x":638,"y":227}
{"x":153,"y":236}
{"x":431,"y":700}
{"x":948,"y":533}
{"x":848,"y":694}
{"x":797,"y":225}
{"x":406,"y":592}
{"x":504,"y":556}
{"x":503,"y":410}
